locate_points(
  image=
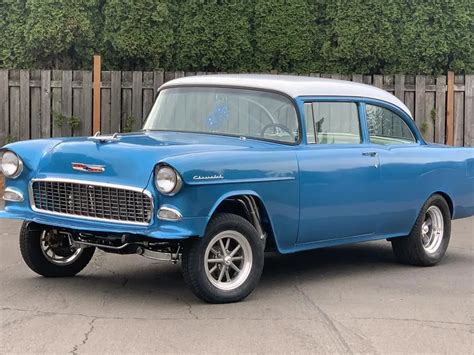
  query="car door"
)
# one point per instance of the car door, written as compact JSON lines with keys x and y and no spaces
{"x":403,"y":169}
{"x":339,"y":174}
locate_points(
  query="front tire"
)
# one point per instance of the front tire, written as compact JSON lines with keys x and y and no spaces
{"x":226,"y":264}
{"x":50,"y":253}
{"x":429,"y":238}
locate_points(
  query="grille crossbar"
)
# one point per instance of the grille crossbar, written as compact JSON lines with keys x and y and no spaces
{"x":92,"y":201}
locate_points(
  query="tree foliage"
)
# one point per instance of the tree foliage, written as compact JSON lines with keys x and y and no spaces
{"x":339,"y":36}
{"x":284,"y":35}
{"x":137,"y":33}
{"x":59,"y":33}
{"x":213,"y":35}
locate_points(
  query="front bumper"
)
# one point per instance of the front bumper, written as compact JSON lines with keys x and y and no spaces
{"x":185,"y":228}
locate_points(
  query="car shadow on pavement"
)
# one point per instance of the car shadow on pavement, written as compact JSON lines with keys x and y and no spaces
{"x":135,"y":281}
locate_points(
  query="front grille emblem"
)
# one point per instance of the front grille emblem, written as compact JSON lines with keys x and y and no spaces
{"x":86,"y":168}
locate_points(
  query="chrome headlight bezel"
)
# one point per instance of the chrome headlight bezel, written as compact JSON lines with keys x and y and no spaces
{"x":17,"y":163}
{"x":167,"y":175}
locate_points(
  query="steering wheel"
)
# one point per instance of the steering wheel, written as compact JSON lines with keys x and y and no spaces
{"x":277,"y":125}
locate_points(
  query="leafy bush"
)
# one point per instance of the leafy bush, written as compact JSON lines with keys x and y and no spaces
{"x":340,"y":36}
{"x":137,"y":33}
{"x":213,"y":35}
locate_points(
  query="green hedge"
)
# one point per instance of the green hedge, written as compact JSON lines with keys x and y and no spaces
{"x":338,"y":36}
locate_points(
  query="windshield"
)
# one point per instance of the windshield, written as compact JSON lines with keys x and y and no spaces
{"x":227,"y":111}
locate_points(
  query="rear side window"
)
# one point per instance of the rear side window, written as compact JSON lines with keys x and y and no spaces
{"x":386,"y":127}
{"x":332,"y":123}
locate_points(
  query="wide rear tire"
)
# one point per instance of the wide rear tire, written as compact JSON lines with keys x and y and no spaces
{"x":427,"y":243}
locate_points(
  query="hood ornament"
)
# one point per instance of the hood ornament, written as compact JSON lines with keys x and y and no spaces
{"x":97,"y":137}
{"x":87,"y":168}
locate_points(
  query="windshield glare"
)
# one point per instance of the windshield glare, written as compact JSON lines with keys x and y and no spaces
{"x":227,"y":111}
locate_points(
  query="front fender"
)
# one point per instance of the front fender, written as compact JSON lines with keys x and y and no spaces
{"x":210,"y":178}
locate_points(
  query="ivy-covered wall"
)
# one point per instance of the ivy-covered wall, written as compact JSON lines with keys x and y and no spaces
{"x":339,"y":36}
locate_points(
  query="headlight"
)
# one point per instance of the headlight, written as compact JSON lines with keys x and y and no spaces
{"x":11,"y":165}
{"x":167,"y":180}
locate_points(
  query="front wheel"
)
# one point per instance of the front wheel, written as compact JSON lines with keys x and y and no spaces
{"x":49,"y":252}
{"x":429,"y":238}
{"x":226,"y":264}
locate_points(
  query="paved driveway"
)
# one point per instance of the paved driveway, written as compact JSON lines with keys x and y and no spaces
{"x":347,"y":299}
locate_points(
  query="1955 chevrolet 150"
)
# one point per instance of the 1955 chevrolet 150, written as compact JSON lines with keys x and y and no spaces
{"x":227,"y":166}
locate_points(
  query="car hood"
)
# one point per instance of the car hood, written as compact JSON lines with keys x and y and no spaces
{"x":130,"y":159}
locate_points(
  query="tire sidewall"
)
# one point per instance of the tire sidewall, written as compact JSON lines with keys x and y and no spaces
{"x":30,"y":247}
{"x":257,"y":246}
{"x":433,"y":258}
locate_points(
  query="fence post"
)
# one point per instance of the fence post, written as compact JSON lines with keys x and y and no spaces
{"x":96,"y":100}
{"x":450,"y":110}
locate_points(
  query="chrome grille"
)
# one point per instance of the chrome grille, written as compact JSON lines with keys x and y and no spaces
{"x":92,"y":201}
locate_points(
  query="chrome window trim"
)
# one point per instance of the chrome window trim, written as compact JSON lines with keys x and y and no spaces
{"x":94,"y":183}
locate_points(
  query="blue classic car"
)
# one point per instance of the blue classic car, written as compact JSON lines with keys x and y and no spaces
{"x":229,"y":166}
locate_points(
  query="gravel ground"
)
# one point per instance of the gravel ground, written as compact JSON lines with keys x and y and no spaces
{"x":349,"y":299}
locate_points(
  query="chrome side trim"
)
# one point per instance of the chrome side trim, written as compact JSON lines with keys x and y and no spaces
{"x":118,"y":186}
{"x":13,"y":191}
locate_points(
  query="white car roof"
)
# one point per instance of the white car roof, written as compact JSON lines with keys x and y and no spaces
{"x":292,"y":86}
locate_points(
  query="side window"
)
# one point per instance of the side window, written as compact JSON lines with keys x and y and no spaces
{"x":333,"y":123}
{"x":386,"y":127}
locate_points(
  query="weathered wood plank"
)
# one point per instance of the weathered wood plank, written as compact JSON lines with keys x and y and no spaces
{"x":440,"y":125}
{"x":148,"y":96}
{"x":115,"y":100}
{"x":66,"y":102}
{"x":4,"y":107}
{"x":400,"y":86}
{"x":378,"y":81}
{"x":458,"y":119}
{"x":357,"y":78}
{"x":105,"y":105}
{"x":410,"y":101}
{"x":96,"y":77}
{"x":450,"y":110}
{"x":158,"y":80}
{"x":35,"y":107}
{"x":76,"y":103}
{"x":420,"y":99}
{"x":14,"y":97}
{"x":137,"y":97}
{"x":56,"y":104}
{"x":45,"y":104}
{"x":25,"y":124}
{"x":86,"y":118}
{"x":469,"y":111}
{"x":127,"y":118}
{"x":430,"y":116}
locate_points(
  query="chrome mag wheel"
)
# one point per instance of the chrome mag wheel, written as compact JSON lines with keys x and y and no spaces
{"x":228,"y":260}
{"x":432,"y":229}
{"x":58,"y":249}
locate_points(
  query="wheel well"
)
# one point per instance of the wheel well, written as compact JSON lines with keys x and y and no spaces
{"x":242,"y":206}
{"x":448,"y":200}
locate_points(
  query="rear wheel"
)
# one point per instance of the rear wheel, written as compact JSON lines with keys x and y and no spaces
{"x":429,"y":238}
{"x":50,"y":253}
{"x":226,"y":264}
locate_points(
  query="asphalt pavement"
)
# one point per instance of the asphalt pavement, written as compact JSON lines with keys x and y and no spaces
{"x":348,"y":299}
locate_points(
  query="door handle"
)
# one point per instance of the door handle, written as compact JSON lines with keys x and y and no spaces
{"x":370,"y":154}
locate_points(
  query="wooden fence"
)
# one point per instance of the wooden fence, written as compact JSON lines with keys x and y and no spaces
{"x":52,"y":103}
